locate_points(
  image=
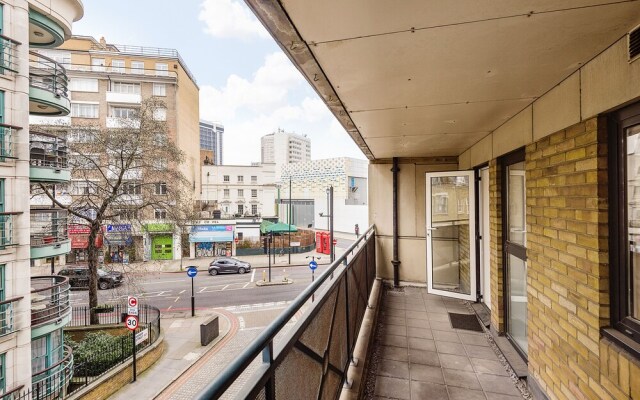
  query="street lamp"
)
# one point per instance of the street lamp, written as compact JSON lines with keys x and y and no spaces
{"x":332,"y":251}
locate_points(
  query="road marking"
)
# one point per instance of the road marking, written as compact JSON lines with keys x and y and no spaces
{"x":176,"y":324}
{"x":253,"y":275}
{"x":169,"y":308}
{"x":241,"y":320}
{"x":247,"y":284}
{"x":183,"y":291}
{"x":202,"y":290}
{"x":177,"y":298}
{"x":224,"y":288}
{"x":191,"y":356}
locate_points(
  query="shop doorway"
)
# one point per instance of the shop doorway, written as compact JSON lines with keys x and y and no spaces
{"x":162,"y":247}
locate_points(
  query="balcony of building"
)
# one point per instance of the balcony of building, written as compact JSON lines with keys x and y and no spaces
{"x":50,"y":23}
{"x":49,"y":233}
{"x":124,"y":98}
{"x":8,"y":56}
{"x":48,"y":87}
{"x":8,"y":313}
{"x":53,"y":382}
{"x":123,"y":123}
{"x":50,"y":301}
{"x":8,"y":232}
{"x":48,"y":158}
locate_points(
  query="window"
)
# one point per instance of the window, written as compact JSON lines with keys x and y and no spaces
{"x":137,"y":67}
{"x":83,"y":85}
{"x":125,"y":87}
{"x":117,"y":66}
{"x":240,"y":178}
{"x":441,"y":203}
{"x":240,"y":192}
{"x":226,"y":193}
{"x":80,"y":188}
{"x":624,"y":235}
{"x":254,"y":193}
{"x":80,"y":136}
{"x":2,"y":288}
{"x":160,"y":139}
{"x":254,"y":209}
{"x":97,"y":64}
{"x":160,"y":114}
{"x":3,"y":372}
{"x":84,"y":161}
{"x":463,"y":206}
{"x":84,"y":110}
{"x":160,"y":188}
{"x":123,"y":112}
{"x":159,"y":89}
{"x":128,"y":215}
{"x":254,"y":179}
{"x":162,"y":69}
{"x":240,"y":236}
{"x":130,"y":188}
{"x":160,"y":164}
{"x":240,"y":209}
{"x":226,"y":178}
{"x":160,"y":213}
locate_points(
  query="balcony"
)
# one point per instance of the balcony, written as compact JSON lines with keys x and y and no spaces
{"x":7,"y":315}
{"x":44,"y":31}
{"x":7,"y":141}
{"x":126,"y":98}
{"x":48,"y":83}
{"x":123,"y":123}
{"x":52,"y":382}
{"x":49,"y":300}
{"x":7,"y":237}
{"x":8,"y":58}
{"x":48,"y":158}
{"x":49,"y":235}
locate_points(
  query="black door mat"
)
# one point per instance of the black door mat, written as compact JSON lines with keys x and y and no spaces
{"x":468,"y":322}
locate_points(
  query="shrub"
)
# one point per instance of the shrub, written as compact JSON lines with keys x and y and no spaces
{"x":98,"y":352}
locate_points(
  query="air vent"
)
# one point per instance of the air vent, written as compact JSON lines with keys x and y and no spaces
{"x":634,"y":44}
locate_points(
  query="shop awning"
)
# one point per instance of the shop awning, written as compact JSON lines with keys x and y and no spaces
{"x":264,"y":225}
{"x":281,"y":227}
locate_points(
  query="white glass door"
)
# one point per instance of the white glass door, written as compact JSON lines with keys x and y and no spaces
{"x":450,"y":231}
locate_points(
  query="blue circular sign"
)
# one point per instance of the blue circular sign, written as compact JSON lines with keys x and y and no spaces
{"x":192,"y":271}
{"x":313,"y":265}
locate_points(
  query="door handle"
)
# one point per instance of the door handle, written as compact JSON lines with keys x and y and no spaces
{"x":432,"y":229}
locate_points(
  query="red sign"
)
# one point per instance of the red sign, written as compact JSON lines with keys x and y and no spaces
{"x":82,"y":241}
{"x":131,"y":322}
{"x":335,"y":242}
{"x":76,"y":229}
{"x":132,"y":301}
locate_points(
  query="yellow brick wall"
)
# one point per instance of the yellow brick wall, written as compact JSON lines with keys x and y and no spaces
{"x":495,"y":243}
{"x":568,"y":279}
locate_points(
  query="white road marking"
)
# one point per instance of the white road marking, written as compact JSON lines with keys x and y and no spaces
{"x":177,"y":298}
{"x":253,"y":275}
{"x":247,"y":284}
{"x":169,"y":308}
{"x":192,"y":356}
{"x":182,"y":291}
{"x":224,"y":288}
{"x":242,"y":325}
{"x":202,"y":290}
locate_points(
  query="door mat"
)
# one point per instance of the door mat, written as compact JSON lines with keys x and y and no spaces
{"x":465,"y":321}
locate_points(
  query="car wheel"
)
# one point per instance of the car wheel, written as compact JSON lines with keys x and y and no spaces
{"x":213,"y":272}
{"x":103,"y":285}
{"x":241,"y":270}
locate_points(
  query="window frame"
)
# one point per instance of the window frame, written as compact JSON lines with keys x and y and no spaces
{"x":159,"y":89}
{"x":624,"y":329}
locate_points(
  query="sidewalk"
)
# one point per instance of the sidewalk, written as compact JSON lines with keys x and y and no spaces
{"x":183,"y":349}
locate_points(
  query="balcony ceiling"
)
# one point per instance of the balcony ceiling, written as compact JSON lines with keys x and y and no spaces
{"x":431,"y":78}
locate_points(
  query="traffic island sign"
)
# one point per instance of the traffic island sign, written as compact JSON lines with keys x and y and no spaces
{"x":132,"y":305}
{"x":192,"y":271}
{"x":131,"y":322}
{"x":313,"y":265}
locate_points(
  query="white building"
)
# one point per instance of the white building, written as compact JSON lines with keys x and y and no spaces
{"x":282,"y":148}
{"x":309,"y":183}
{"x":239,"y":190}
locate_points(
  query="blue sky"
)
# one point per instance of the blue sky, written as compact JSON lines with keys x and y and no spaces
{"x":245,"y":80}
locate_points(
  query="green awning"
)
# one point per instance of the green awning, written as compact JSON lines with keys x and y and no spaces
{"x":281,"y":227}
{"x":264,"y":225}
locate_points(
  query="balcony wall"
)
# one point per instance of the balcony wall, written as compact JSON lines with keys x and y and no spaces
{"x":48,"y":87}
{"x":49,"y":302}
{"x":48,"y":158}
{"x":127,"y":98}
{"x":49,"y":234}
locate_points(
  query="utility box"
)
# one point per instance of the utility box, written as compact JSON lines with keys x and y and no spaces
{"x":209,"y":330}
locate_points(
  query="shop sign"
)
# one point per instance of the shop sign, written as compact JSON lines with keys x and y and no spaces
{"x":119,"y":228}
{"x":159,"y":227}
{"x":119,"y":235}
{"x":211,"y":233}
{"x":75,"y":229}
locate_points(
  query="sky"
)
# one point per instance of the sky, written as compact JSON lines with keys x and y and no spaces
{"x":246,"y":82}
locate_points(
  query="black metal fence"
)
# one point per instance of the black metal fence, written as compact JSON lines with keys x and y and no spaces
{"x":310,"y":360}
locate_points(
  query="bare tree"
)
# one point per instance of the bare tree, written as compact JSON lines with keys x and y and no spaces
{"x":130,"y":173}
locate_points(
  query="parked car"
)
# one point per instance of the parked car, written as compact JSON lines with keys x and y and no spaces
{"x":227,"y":265}
{"x":79,"y":277}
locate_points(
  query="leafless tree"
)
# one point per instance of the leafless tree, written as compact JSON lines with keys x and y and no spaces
{"x":130,"y":173}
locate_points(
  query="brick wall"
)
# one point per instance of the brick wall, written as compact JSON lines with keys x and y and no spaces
{"x":568,"y":285}
{"x":495,"y":243}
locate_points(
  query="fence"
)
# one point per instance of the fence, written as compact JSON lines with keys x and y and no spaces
{"x":311,"y":359}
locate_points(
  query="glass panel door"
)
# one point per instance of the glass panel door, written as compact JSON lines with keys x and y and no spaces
{"x":450,"y":224}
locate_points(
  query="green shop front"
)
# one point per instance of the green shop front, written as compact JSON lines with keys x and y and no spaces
{"x":159,"y":242}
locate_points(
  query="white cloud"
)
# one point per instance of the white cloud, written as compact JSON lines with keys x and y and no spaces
{"x":230,"y":18}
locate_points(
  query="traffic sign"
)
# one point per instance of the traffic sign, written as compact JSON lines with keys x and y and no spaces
{"x":192,"y":271}
{"x":142,"y":336}
{"x":313,"y":265}
{"x":132,"y":303}
{"x":131,"y":322}
{"x":335,"y":242}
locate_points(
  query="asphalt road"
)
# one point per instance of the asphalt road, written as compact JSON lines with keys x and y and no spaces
{"x":169,"y":291}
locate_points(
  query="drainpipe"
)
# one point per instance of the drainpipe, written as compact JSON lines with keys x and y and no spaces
{"x":395,"y":261}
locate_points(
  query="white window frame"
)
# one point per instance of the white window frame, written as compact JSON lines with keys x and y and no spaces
{"x":160,"y":188}
{"x":160,"y":213}
{"x":160,"y":89}
{"x":89,"y":85}
{"x":162,"y":69}
{"x":123,"y":112}
{"x":98,"y":65}
{"x":80,"y":110}
{"x":125,"y":87}
{"x":160,"y":114}
{"x":119,"y":68}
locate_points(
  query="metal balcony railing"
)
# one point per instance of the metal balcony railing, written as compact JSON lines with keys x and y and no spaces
{"x":7,"y":143}
{"x":49,"y":299}
{"x":46,"y":73}
{"x":52,"y":382}
{"x":48,"y":226}
{"x":7,"y":237}
{"x":309,"y":360}
{"x":6,"y":315}
{"x":47,"y":150}
{"x":8,"y":57}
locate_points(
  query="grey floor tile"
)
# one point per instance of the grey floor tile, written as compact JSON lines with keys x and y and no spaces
{"x":421,"y":344}
{"x":393,"y":387}
{"x":428,"y":390}
{"x":497,"y":384}
{"x":423,"y":333}
{"x":399,"y":330}
{"x":418,"y":323}
{"x":483,"y":366}
{"x":446,"y":336}
{"x":393,"y":312}
{"x":393,"y":369}
{"x":414,"y":300}
{"x":463,"y":379}
{"x":450,"y":348}
{"x":394,"y":340}
{"x":424,"y":357}
{"x":437,"y":310}
{"x":498,"y":396}
{"x":441,"y":326}
{"x":438,"y":317}
{"x":432,"y":297}
{"x":416,"y":314}
{"x":455,"y":362}
{"x":426,"y":373}
{"x":456,"y":393}
{"x":476,"y":340}
{"x":486,"y":353}
{"x":394,"y":353}
{"x":394,"y":305}
{"x":394,"y":321}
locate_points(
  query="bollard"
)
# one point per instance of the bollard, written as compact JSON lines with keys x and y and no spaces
{"x":284,"y":275}
{"x":264,"y":276}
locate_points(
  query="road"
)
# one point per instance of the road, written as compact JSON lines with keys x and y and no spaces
{"x":169,"y":291}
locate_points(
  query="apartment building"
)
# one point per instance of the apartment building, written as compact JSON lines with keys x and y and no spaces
{"x":33,"y":309}
{"x":211,"y":140}
{"x":282,"y":148}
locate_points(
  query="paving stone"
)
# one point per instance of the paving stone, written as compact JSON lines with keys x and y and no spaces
{"x":393,"y":387}
{"x":394,"y":340}
{"x":426,"y":373}
{"x":394,"y":353}
{"x":415,"y":307}
{"x":424,"y":357}
{"x":446,"y":336}
{"x":486,"y":353}
{"x":422,"y":344}
{"x":394,"y":369}
{"x":428,"y":390}
{"x":456,"y":393}
{"x":418,"y":323}
{"x":399,"y":330}
{"x":498,"y":396}
{"x":441,"y":326}
{"x":393,"y":320}
{"x":476,"y":340}
{"x":438,"y":317}
{"x":416,"y":314}
{"x":455,"y":362}
{"x":450,"y":348}
{"x":464,"y":379}
{"x":488,"y":367}
{"x":423,"y":333}
{"x":497,"y":384}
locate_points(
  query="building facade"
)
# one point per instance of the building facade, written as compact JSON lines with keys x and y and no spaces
{"x":281,"y":148}
{"x":211,"y":141}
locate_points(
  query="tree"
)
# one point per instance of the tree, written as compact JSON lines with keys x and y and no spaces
{"x":129,"y":173}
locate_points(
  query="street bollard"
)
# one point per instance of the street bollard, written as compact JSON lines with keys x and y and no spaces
{"x":284,"y":275}
{"x":264,"y":276}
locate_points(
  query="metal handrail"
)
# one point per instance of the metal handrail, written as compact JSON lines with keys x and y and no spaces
{"x":48,"y":74}
{"x":47,"y":150}
{"x":66,"y":362}
{"x":6,"y":315}
{"x":8,"y":58}
{"x":263,"y":344}
{"x":52,"y":230}
{"x":52,"y":305}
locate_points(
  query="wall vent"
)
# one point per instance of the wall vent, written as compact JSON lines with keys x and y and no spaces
{"x":634,"y":44}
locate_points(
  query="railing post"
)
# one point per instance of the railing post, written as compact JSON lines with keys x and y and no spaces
{"x":346,"y":303}
{"x":270,"y":385}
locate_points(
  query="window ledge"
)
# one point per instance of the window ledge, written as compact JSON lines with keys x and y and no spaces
{"x":621,"y":340}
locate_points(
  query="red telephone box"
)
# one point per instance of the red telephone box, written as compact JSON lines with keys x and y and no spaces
{"x":318,"y":242}
{"x":326,"y":245}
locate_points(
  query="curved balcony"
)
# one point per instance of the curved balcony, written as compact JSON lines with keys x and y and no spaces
{"x":8,"y":57}
{"x":49,"y":300}
{"x":48,"y":158}
{"x":48,"y":87}
{"x":43,"y":31}
{"x":52,"y":382}
{"x":49,"y":233}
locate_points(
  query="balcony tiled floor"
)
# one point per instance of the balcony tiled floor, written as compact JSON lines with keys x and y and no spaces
{"x":420,"y":355}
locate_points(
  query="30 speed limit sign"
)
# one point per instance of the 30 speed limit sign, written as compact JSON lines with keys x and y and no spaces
{"x":131,"y":322}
